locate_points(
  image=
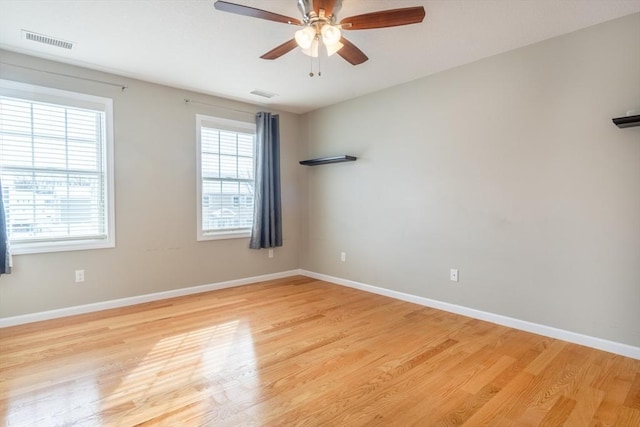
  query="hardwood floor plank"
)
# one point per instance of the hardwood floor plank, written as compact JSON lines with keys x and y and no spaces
{"x":607,"y":412}
{"x":633,"y":397}
{"x":559,"y":412}
{"x":628,"y":417}
{"x":587,"y":401}
{"x":487,"y":373}
{"x":299,"y":351}
{"x":546,"y":357}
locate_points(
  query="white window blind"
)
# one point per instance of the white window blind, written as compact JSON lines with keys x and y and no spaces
{"x":53,"y":167}
{"x":226,"y":166}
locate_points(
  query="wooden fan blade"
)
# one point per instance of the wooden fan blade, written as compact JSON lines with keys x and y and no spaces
{"x":327,"y":5}
{"x":384,"y":18}
{"x":225,"y":6}
{"x":351,"y":53}
{"x":277,"y":52}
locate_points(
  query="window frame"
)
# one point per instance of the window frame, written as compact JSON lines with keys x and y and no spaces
{"x":226,"y":125}
{"x":64,"y":98}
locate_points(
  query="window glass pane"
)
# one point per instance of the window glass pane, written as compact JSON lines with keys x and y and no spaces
{"x":210,"y":165}
{"x":16,"y":150}
{"x":229,"y":188}
{"x":49,"y":153}
{"x":245,"y":145}
{"x":83,"y":155}
{"x":245,"y":167}
{"x":82,"y":125}
{"x":49,"y":120}
{"x":210,"y":203}
{"x":209,"y":140}
{"x":228,"y":144}
{"x":15,"y":117}
{"x":53,"y":169}
{"x":246,"y":188}
{"x":50,"y":205}
{"x":228,"y":167}
{"x":227,"y":179}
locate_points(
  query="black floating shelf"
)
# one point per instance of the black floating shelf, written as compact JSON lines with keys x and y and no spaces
{"x":627,"y":122}
{"x":327,"y":160}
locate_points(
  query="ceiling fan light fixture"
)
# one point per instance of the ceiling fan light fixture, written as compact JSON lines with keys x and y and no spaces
{"x":312,"y":50}
{"x":330,"y":34}
{"x":305,"y":37}
{"x":321,"y":28}
{"x":331,"y":49}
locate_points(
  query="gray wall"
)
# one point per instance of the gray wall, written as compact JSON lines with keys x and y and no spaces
{"x":508,"y":169}
{"x":155,"y":198}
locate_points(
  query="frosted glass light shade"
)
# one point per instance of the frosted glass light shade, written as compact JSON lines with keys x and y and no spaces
{"x":331,"y":49}
{"x":330,"y":34}
{"x":312,"y":50}
{"x":305,"y":37}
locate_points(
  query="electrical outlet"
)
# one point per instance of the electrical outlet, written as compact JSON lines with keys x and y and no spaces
{"x":453,"y":275}
{"x":343,"y":256}
{"x":270,"y":253}
{"x":79,"y":276}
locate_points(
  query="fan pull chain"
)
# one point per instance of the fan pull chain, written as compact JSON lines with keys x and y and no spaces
{"x":311,"y":74}
{"x":319,"y":70}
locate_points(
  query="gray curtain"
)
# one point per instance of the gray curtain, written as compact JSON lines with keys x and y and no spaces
{"x":5,"y":253}
{"x":267,"y":217}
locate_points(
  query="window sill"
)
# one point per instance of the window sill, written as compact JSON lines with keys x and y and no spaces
{"x":224,"y":235}
{"x":45,"y":247}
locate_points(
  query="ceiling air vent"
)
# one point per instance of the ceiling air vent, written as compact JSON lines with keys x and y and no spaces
{"x":52,"y":41}
{"x":262,"y":93}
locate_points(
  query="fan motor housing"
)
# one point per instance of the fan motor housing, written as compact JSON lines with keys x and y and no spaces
{"x":309,"y":13}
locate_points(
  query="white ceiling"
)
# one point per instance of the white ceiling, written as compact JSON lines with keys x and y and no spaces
{"x":188,"y":44}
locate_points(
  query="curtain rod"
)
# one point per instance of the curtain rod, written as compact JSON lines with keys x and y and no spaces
{"x":191,"y":101}
{"x":121,"y":86}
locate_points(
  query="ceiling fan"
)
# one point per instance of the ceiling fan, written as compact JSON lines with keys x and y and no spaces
{"x":321,"y":27}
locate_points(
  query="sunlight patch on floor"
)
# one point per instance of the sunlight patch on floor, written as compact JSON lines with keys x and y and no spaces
{"x":193,"y":370}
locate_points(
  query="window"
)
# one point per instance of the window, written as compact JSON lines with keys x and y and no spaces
{"x":56,"y":168}
{"x":225,"y":177}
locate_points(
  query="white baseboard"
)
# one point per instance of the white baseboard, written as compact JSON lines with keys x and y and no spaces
{"x":123,"y":302}
{"x":586,"y":340}
{"x":573,"y":337}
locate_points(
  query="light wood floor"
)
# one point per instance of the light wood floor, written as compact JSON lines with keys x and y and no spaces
{"x":298,"y":351}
